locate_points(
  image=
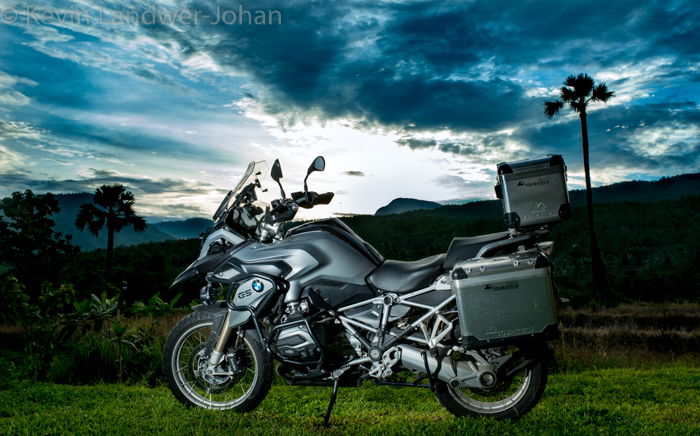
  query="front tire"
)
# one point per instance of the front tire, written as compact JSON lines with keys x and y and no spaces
{"x":511,"y":398}
{"x":246,"y":368}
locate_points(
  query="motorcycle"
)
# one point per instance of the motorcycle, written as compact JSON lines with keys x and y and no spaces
{"x":472,"y":324}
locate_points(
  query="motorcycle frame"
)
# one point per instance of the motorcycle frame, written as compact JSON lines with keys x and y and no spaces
{"x":432,"y":338}
{"x":381,"y":344}
{"x":390,"y":299}
{"x":387,"y":300}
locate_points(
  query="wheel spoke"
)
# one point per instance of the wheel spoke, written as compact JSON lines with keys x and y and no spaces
{"x":501,"y":397}
{"x":215,"y":392}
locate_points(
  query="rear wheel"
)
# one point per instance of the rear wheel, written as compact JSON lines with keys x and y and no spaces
{"x":520,"y":384}
{"x":240,"y":382}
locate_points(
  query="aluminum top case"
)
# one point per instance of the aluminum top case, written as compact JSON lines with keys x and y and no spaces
{"x":533,"y":192}
{"x":503,"y":300}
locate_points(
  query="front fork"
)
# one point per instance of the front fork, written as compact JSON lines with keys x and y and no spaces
{"x":217,"y":353}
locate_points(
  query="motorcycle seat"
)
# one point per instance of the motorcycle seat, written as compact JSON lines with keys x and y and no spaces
{"x":402,"y":277}
{"x":467,"y":248}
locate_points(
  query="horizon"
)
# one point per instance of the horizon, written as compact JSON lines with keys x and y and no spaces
{"x":159,"y":219}
{"x":404,"y":99}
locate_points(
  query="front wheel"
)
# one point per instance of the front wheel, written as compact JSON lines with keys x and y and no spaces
{"x":521,"y":382}
{"x":240,"y":382}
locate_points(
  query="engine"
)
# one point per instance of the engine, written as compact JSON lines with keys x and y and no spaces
{"x":305,"y":336}
{"x":295,"y":342}
{"x":295,"y":339}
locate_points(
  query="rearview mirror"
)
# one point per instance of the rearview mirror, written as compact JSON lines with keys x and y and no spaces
{"x":276,"y":174}
{"x":319,"y":164}
{"x":276,"y":171}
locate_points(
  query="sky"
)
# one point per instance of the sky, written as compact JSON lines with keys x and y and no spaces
{"x":418,"y":99}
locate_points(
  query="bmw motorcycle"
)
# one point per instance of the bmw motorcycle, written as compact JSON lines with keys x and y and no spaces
{"x":321,"y":306}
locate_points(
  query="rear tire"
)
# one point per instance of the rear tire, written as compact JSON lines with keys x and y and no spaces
{"x":510,"y":399}
{"x":249,"y":368}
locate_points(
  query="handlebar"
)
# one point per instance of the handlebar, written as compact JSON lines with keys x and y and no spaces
{"x":285,"y":209}
{"x":309,"y":199}
{"x":324,"y":198}
{"x":243,"y":216}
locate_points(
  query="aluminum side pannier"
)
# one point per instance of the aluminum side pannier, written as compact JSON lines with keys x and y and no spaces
{"x":504,"y":299}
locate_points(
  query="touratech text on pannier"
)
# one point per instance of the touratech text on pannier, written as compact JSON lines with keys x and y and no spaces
{"x":504,"y":299}
{"x":533,"y":191}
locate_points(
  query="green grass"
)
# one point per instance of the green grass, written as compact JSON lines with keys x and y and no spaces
{"x":661,"y":400}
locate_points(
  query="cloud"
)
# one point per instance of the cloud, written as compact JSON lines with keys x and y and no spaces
{"x":407,"y":66}
{"x":458,"y":82}
{"x":156,"y":197}
{"x":354,"y":173}
{"x":7,"y":81}
{"x":465,"y":188}
{"x":18,"y":130}
{"x":654,"y":139}
{"x":479,"y":147}
{"x":96,"y":177}
{"x":417,"y":143}
{"x":10,"y":160}
{"x":10,"y":96}
{"x":426,"y":65}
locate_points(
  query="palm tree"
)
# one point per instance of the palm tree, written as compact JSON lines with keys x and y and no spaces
{"x":577,"y":92}
{"x":111,"y":207}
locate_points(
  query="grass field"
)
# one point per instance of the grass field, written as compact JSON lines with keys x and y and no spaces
{"x":662,"y":401}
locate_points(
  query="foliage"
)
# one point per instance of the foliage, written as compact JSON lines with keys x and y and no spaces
{"x":155,"y":306}
{"x":85,"y":329}
{"x":13,"y":299}
{"x":93,"y":358}
{"x":614,"y":401}
{"x":45,"y":322}
{"x":645,"y":246}
{"x":141,"y":270}
{"x":111,"y":208}
{"x":29,"y":247}
{"x":84,"y":340}
{"x":578,"y":92}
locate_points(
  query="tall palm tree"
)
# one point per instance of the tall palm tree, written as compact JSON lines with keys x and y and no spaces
{"x":577,"y":92}
{"x":111,"y":207}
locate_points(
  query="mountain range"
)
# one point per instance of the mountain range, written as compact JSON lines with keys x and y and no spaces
{"x":667,"y":188}
{"x":155,"y":232}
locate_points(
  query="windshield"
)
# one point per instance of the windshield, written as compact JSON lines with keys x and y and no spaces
{"x":255,"y":171}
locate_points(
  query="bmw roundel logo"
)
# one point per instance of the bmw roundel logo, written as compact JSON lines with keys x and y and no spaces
{"x":258,"y":286}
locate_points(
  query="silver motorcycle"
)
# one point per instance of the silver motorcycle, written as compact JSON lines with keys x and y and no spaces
{"x":321,"y":305}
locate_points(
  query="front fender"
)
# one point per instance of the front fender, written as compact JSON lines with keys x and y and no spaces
{"x":218,"y":310}
{"x":199,"y":267}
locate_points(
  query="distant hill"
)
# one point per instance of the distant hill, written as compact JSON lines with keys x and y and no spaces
{"x":667,"y":188}
{"x":187,"y":229}
{"x":401,"y":205}
{"x":65,"y":223}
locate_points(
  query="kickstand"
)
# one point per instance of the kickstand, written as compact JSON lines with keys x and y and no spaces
{"x":427,"y":371}
{"x":432,"y":378}
{"x":331,"y":403}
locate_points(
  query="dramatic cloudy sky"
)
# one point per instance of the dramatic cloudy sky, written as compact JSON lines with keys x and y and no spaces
{"x":403,"y":98}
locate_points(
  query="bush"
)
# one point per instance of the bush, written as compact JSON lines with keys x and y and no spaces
{"x":93,"y":357}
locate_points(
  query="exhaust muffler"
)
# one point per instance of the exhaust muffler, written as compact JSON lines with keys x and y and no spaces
{"x":455,"y":373}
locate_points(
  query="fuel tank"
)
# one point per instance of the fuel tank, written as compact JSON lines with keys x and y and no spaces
{"x":319,"y":253}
